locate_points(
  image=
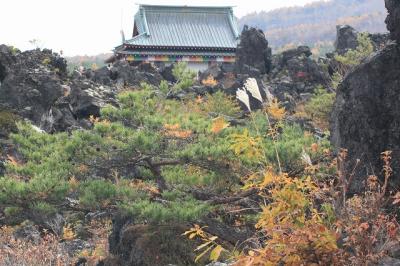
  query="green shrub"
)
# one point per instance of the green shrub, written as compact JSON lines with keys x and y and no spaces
{"x":14,"y":50}
{"x":97,"y":193}
{"x":186,"y":209}
{"x":12,"y":211}
{"x":43,"y":209}
{"x":320,"y":106}
{"x":144,"y":157}
{"x":290,"y":145}
{"x":164,"y":86}
{"x":183,"y":75}
{"x":221,"y":104}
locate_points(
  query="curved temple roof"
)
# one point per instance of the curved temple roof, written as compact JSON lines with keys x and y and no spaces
{"x":185,"y":26}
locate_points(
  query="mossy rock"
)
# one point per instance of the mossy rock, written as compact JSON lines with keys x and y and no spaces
{"x":7,"y":123}
{"x":148,"y":245}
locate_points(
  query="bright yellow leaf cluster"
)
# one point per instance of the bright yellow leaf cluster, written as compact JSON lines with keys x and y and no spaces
{"x":209,"y":243}
{"x":209,"y":81}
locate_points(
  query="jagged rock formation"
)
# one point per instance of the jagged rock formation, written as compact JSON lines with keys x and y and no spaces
{"x":36,"y":87}
{"x":365,"y":119}
{"x":253,"y":52}
{"x":379,"y":40}
{"x":346,"y":39}
{"x":30,"y":84}
{"x":393,"y":19}
{"x":121,"y":74}
{"x":295,"y":74}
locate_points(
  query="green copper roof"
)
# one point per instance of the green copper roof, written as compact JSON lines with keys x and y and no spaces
{"x":185,"y":26}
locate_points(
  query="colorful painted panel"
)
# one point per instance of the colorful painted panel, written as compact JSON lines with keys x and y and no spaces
{"x":175,"y":58}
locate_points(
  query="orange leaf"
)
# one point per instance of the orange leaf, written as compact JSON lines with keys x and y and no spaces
{"x":11,"y":160}
{"x":314,"y":147}
{"x":218,"y":125}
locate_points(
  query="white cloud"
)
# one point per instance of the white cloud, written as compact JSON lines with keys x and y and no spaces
{"x":90,"y":26}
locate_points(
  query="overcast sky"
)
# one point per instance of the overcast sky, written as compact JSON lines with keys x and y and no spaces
{"x":91,"y":27}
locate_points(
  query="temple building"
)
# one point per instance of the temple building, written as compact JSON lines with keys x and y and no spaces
{"x":193,"y":34}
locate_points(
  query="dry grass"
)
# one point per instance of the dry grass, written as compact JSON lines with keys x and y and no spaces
{"x":49,"y":249}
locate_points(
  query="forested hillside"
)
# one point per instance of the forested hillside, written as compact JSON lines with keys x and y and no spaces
{"x":314,"y":24}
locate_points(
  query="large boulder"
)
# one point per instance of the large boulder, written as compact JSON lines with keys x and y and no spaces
{"x":158,"y":245}
{"x":365,"y":119}
{"x":31,"y":83}
{"x":84,"y":99}
{"x":253,"y":51}
{"x":293,"y":74}
{"x":166,"y":73}
{"x":393,"y":19}
{"x":148,"y":245}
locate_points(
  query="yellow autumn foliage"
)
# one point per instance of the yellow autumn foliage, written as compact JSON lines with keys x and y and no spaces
{"x":293,"y":227}
{"x":209,"y":81}
{"x":245,"y":145}
{"x":68,"y":233}
{"x":275,"y":110}
{"x":209,"y":244}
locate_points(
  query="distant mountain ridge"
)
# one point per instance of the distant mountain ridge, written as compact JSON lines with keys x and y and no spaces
{"x":316,"y":22}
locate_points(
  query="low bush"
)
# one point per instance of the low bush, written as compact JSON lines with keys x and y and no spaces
{"x":319,"y":107}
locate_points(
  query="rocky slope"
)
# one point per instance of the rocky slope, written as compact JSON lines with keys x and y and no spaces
{"x":35,"y":86}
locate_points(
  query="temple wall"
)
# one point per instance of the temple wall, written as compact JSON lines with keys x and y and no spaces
{"x":197,"y":66}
